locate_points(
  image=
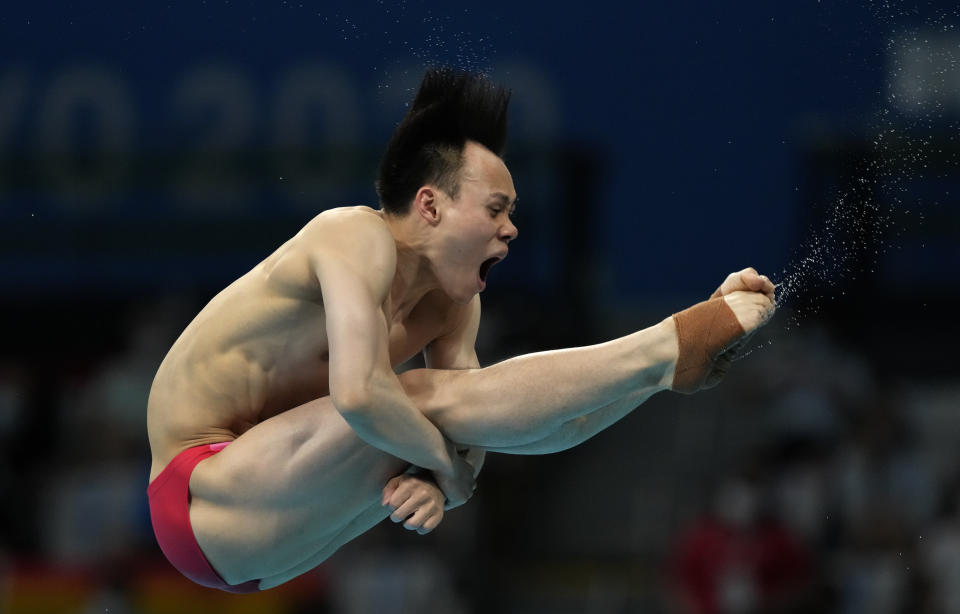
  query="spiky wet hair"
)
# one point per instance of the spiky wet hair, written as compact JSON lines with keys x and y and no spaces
{"x":450,"y":108}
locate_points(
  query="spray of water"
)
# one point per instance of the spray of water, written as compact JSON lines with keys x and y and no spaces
{"x":868,"y":215}
{"x":431,"y":35}
{"x":428,"y":33}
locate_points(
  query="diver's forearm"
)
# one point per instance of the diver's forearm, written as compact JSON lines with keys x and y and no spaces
{"x":387,"y":419}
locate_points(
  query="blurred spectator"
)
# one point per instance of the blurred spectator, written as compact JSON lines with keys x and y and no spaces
{"x":800,"y":489}
{"x":886,"y":493}
{"x":736,"y":559}
{"x":885,"y":486}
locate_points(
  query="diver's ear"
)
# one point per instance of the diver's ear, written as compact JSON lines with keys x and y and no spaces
{"x":425,"y":204}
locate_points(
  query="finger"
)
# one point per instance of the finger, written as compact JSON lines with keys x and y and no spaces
{"x":749,"y":278}
{"x":390,"y":488}
{"x":419,"y":517}
{"x":403,"y":492}
{"x":405,"y":509}
{"x":423,"y":530}
{"x":415,"y":521}
{"x":768,"y":286}
{"x":420,"y":496}
{"x":756,"y":298}
{"x":742,"y":280}
{"x":432,"y":522}
{"x":403,"y":512}
{"x":758,"y":283}
{"x":731,"y":284}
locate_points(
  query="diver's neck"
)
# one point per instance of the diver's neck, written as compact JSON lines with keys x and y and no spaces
{"x":415,"y":276}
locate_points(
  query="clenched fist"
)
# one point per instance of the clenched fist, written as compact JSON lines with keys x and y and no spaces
{"x":748,"y":280}
{"x":416,"y":502}
{"x":710,"y":334}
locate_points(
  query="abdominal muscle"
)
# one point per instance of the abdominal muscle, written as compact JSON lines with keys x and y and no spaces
{"x":257,"y":349}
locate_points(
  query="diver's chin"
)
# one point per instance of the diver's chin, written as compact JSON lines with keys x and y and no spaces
{"x":463,"y":294}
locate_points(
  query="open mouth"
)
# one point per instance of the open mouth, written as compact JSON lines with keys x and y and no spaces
{"x":486,"y":266}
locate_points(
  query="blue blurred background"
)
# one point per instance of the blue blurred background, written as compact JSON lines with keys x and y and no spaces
{"x":149,"y":155}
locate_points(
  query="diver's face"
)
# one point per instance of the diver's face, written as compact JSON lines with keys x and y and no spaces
{"x":475,"y":227}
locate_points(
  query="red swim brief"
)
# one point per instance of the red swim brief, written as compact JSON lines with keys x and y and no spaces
{"x":169,"y":496}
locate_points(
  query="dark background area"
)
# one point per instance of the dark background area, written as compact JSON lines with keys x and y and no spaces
{"x":150,"y":155}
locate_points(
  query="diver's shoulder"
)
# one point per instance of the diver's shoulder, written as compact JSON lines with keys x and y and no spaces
{"x":360,"y":218}
{"x":353,"y":233}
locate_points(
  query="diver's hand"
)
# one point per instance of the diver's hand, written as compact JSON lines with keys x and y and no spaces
{"x":416,"y":501}
{"x":747,"y":280}
{"x":711,"y":333}
{"x":752,"y":309}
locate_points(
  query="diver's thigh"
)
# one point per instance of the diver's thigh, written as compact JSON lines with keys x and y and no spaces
{"x":282,"y":490}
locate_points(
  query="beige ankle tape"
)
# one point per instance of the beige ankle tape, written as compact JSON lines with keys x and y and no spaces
{"x":703,"y":332}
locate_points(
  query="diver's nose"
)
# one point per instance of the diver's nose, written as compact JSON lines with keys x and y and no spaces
{"x":509,"y":232}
